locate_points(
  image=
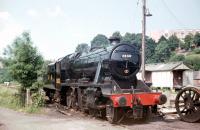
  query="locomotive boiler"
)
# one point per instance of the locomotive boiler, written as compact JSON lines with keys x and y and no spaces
{"x":103,"y":82}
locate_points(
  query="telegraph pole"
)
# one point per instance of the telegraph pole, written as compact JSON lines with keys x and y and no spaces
{"x":145,"y":13}
{"x":143,"y":37}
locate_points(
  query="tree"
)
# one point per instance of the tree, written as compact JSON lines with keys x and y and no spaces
{"x":197,"y":39}
{"x":43,"y":72}
{"x":173,"y":42}
{"x":117,"y":35}
{"x":136,"y":39}
{"x":150,"y":50}
{"x":83,"y":47}
{"x":128,"y":38}
{"x":162,"y":52}
{"x":99,"y":41}
{"x":188,"y":40}
{"x":162,"y":38}
{"x":23,"y":61}
{"x":4,"y":72}
{"x":4,"y":75}
{"x":132,"y":38}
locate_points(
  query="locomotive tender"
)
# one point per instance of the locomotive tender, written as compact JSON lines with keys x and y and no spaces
{"x":103,"y":82}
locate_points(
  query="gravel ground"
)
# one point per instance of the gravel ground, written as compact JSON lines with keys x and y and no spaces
{"x":54,"y":120}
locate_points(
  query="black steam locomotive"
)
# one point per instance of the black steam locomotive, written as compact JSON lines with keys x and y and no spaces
{"x":103,"y":82}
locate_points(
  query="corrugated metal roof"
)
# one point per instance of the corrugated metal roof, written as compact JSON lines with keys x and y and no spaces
{"x":166,"y":66}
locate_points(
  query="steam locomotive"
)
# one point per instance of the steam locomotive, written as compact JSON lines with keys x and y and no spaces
{"x":103,"y":82}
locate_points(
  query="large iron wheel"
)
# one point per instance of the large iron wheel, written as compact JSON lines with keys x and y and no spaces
{"x":113,"y":114}
{"x":187,"y":104}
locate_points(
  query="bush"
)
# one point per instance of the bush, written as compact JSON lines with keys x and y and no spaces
{"x":38,"y":99}
{"x":175,"y":58}
{"x":196,"y":51}
{"x":193,"y":61}
{"x":10,"y":98}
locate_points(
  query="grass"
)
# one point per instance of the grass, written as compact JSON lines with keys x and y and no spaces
{"x":9,"y":98}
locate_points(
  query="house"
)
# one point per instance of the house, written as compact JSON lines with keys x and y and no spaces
{"x":168,"y":75}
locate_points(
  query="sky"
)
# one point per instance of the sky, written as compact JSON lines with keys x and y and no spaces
{"x":58,"y":26}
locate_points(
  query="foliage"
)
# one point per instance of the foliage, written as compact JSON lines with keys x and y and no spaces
{"x":99,"y":41}
{"x":196,"y":51}
{"x":10,"y":98}
{"x":136,"y":39}
{"x":196,"y":39}
{"x":128,"y":38}
{"x":188,"y":41}
{"x":162,"y":38}
{"x":173,"y":42}
{"x":117,"y":35}
{"x":83,"y":47}
{"x":162,"y":52}
{"x":43,"y":73}
{"x":177,"y":57}
{"x":150,"y":50}
{"x":5,"y":75}
{"x":23,"y":60}
{"x":38,"y":99}
{"x":193,"y":60}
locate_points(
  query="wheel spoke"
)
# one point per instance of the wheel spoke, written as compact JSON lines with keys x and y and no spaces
{"x":190,"y":93}
{"x":182,"y":96}
{"x":181,"y":101}
{"x":197,"y":103}
{"x":187,"y":111}
{"x":182,"y":105}
{"x":193,"y":110}
{"x":193,"y":96}
{"x":183,"y":111}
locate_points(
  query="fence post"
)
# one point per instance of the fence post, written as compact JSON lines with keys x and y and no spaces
{"x":27,"y":97}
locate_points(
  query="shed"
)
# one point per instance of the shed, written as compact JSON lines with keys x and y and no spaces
{"x":196,"y":79}
{"x":165,"y":74}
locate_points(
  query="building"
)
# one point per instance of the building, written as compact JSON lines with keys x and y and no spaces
{"x":196,"y":78}
{"x":180,"y":33}
{"x":167,"y":75}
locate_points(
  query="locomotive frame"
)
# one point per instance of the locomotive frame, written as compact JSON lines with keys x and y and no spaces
{"x":101,"y":86}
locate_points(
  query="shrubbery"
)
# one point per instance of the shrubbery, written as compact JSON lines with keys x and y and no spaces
{"x":24,"y":63}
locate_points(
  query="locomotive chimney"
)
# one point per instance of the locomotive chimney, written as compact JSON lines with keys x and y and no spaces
{"x":114,"y":40}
